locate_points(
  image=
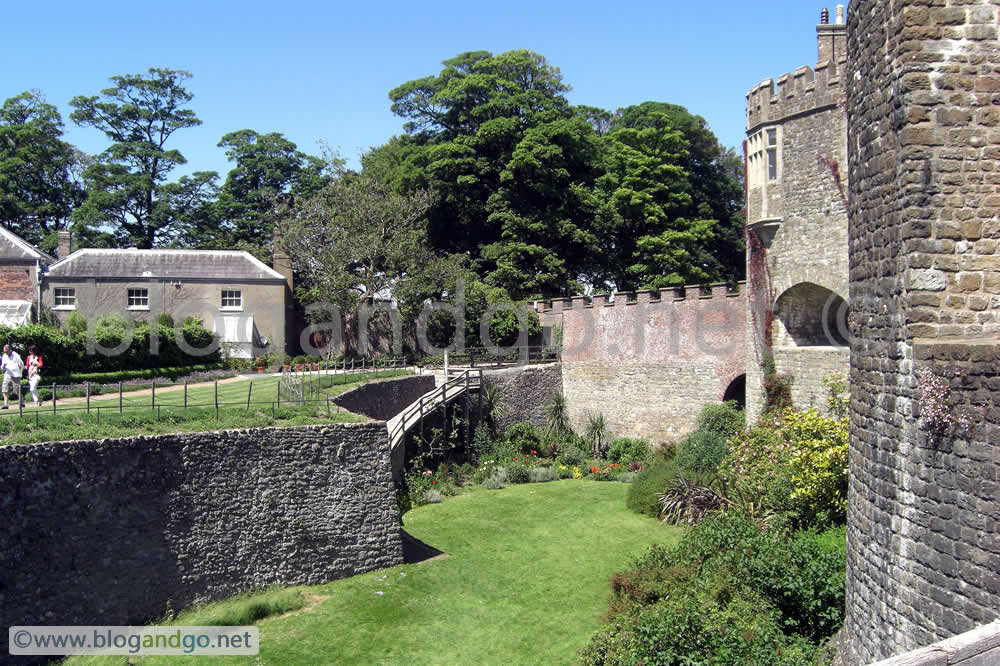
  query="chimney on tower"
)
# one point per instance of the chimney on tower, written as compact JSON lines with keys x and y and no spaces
{"x":831,"y":38}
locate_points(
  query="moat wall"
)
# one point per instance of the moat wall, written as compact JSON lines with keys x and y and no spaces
{"x":118,"y":531}
{"x":923,"y":545}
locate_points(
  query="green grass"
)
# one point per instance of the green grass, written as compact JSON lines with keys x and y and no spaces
{"x":69,"y":421}
{"x":525,"y":581}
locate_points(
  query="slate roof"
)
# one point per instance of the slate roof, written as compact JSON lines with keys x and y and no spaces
{"x":216,"y":265}
{"x":15,"y":248}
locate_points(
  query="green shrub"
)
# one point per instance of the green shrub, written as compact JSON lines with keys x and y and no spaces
{"x":654,"y":479}
{"x":542,"y":474}
{"x":701,"y":452}
{"x":729,"y":593}
{"x":497,"y":480}
{"x":165,"y":320}
{"x":518,"y":472}
{"x":725,"y":418}
{"x":571,"y":456}
{"x":432,"y":496}
{"x":524,"y":437}
{"x":628,"y":449}
{"x":628,"y":477}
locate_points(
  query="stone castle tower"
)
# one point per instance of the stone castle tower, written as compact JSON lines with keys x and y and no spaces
{"x":796,"y":159}
{"x":923,"y":537}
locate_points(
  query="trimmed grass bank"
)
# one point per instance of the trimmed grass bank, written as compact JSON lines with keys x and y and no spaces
{"x":524,"y":580}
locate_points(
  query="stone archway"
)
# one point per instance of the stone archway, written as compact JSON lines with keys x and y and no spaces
{"x":737,"y":390}
{"x":808,"y":315}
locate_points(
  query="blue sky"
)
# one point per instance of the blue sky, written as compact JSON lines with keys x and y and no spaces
{"x":322,"y":71}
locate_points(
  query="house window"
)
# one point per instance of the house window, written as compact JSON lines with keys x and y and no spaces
{"x":232,"y":299}
{"x":138,"y":299}
{"x":65,"y":298}
{"x":772,"y":137}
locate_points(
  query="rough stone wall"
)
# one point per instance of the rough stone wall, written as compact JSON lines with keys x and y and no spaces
{"x":525,"y":391}
{"x":651,"y":360}
{"x":117,"y":531}
{"x":809,"y":366}
{"x":384,"y":399}
{"x":801,"y":214}
{"x":923,"y":551}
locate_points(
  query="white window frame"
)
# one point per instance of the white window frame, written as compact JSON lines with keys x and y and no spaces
{"x":235,"y":302}
{"x":69,"y":296}
{"x":137,"y":297}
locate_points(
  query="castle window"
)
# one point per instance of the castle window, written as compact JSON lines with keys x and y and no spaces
{"x":772,"y":137}
{"x":772,"y":163}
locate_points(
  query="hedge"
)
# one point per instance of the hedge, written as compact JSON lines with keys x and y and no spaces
{"x":66,"y":353}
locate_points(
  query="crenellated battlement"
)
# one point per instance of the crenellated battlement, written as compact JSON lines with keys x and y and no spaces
{"x":806,"y":89}
{"x":700,"y":292}
{"x":801,"y":91}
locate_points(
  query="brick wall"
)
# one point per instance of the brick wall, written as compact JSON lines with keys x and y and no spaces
{"x":15,"y":285}
{"x":923,"y":549}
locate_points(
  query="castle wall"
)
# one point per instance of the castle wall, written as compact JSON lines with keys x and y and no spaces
{"x":923,"y":549}
{"x":798,"y":209}
{"x":650,"y":361}
{"x":118,"y":531}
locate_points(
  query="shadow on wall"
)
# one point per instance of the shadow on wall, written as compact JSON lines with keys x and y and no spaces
{"x":808,"y":315}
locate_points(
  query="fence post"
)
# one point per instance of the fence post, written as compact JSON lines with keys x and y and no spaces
{"x":420,"y":417}
{"x":217,"y":399}
{"x":20,"y":399}
{"x":281,"y":378}
{"x":88,"y":396}
{"x":119,"y":396}
{"x":249,"y":393}
{"x":468,"y":416}
{"x":185,"y":396}
{"x":53,"y":397}
{"x":154,"y":399}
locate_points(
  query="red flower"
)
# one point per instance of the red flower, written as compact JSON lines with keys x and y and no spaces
{"x":532,"y":452}
{"x":433,"y":481}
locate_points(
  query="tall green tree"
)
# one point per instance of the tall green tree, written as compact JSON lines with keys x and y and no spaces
{"x":39,"y":172}
{"x":669,"y":212}
{"x":269,"y":172}
{"x":128,"y":186}
{"x":486,"y":134}
{"x":356,"y":239}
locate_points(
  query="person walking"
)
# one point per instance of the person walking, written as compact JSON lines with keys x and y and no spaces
{"x":34,"y":364}
{"x":12,"y":367}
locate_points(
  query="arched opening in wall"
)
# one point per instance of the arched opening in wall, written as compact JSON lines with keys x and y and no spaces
{"x":808,"y":315}
{"x":737,"y":390}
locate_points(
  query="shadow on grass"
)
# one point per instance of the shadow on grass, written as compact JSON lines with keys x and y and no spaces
{"x":415,"y":550}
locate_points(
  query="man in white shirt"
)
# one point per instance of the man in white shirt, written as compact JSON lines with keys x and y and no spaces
{"x":12,"y":367}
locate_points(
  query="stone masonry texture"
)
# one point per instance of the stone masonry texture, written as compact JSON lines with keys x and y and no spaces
{"x":800,"y":213}
{"x":118,"y":531}
{"x":525,"y":391}
{"x":384,"y":399}
{"x":649,"y":361}
{"x":923,"y":551}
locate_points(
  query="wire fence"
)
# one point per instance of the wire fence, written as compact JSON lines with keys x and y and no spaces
{"x":288,"y":389}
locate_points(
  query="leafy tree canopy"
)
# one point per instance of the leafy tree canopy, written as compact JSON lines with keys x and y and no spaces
{"x":269,"y":172}
{"x":127,"y":186}
{"x":40,"y":179}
